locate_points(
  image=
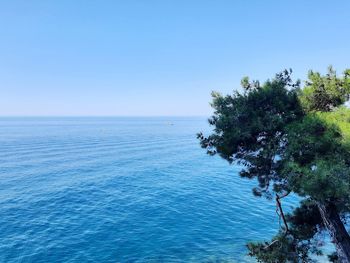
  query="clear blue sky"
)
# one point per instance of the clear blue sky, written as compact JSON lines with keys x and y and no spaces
{"x":161,"y":57}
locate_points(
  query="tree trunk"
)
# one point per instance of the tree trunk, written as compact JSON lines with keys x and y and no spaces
{"x":335,"y":226}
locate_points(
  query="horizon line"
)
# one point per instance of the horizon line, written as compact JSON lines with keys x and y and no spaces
{"x":104,"y":116}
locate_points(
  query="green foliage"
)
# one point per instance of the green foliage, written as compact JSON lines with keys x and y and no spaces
{"x":250,"y":126}
{"x":291,"y":140}
{"x":324,"y":93}
{"x":341,"y":119}
{"x":317,"y":156}
{"x":294,"y":246}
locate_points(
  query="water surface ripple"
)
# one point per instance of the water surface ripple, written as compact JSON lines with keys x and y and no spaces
{"x":122,"y":190}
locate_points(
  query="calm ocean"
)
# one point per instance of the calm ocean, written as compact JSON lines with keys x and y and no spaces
{"x":122,"y":190}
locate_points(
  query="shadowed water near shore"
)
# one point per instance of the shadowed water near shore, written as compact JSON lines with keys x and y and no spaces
{"x":122,"y":190}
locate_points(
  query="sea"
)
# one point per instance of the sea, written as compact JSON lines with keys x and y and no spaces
{"x":123,"y":189}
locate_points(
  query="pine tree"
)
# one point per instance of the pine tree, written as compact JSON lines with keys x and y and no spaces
{"x":292,"y":140}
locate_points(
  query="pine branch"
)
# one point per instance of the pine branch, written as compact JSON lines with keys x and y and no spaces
{"x":279,"y":207}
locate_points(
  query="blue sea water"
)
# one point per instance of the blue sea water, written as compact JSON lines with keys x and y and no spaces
{"x":122,"y":190}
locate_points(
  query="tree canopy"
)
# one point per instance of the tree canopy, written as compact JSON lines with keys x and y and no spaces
{"x":291,"y":139}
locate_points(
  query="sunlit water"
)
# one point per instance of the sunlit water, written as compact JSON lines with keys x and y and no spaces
{"x":122,"y":190}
